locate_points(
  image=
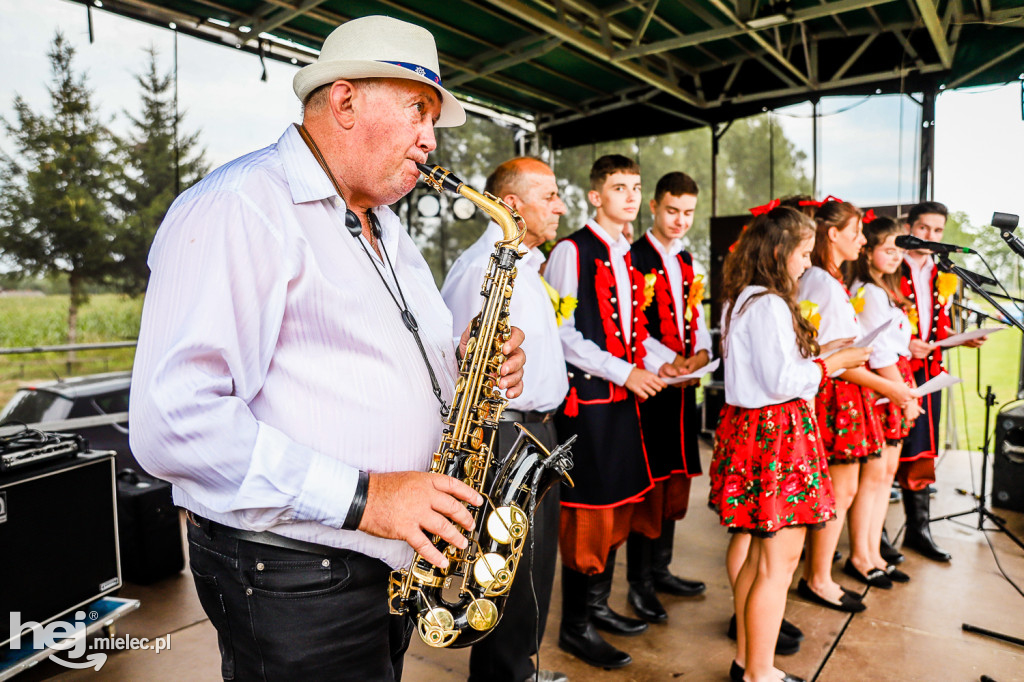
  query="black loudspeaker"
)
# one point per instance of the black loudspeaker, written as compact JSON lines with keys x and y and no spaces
{"x":58,"y":540}
{"x":1008,"y":460}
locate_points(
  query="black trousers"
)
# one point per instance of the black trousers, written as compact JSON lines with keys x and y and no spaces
{"x":505,"y":654}
{"x":282,"y":614}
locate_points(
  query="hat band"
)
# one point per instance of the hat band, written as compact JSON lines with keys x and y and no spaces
{"x":415,"y":68}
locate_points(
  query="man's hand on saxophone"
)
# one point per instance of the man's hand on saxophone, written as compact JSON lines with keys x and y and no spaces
{"x":512,"y":369}
{"x":409,"y":505}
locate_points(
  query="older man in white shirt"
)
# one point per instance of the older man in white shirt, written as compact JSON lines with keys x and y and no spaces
{"x":528,"y":185}
{"x":274,"y":365}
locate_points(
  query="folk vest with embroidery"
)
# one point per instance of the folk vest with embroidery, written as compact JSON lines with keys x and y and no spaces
{"x":937,"y":320}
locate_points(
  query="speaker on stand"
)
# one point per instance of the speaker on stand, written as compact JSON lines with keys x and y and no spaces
{"x":1008,"y":463}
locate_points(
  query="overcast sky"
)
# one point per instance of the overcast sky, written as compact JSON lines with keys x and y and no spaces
{"x":979,"y":132}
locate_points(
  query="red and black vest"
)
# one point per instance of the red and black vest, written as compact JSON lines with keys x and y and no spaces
{"x":670,"y":420}
{"x":937,"y":320}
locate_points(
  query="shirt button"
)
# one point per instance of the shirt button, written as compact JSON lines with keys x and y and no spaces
{"x":248,"y":591}
{"x":259,"y":566}
{"x":618,"y":333}
{"x":607,"y":264}
{"x":326,"y":563}
{"x":634,"y":287}
{"x":613,"y":299}
{"x":336,"y":201}
{"x":615,"y":316}
{"x":586,"y":376}
{"x":571,"y":375}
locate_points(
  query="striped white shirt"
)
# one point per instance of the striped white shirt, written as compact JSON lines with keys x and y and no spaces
{"x":272,"y":363}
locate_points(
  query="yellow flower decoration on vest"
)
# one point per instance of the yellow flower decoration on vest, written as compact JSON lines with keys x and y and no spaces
{"x":858,"y":301}
{"x":809,"y":311}
{"x":695,"y":298}
{"x":945,"y":284}
{"x":649,"y":279}
{"x":913,"y":317}
{"x":563,"y":306}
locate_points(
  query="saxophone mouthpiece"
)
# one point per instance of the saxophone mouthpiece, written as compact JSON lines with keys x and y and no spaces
{"x":440,"y":178}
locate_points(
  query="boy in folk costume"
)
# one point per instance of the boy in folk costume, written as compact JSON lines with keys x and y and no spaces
{"x":670,"y":420}
{"x":930,"y":293}
{"x":603,"y":340}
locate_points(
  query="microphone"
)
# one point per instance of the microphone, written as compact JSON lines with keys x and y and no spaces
{"x":912,"y":243}
{"x":1007,"y":223}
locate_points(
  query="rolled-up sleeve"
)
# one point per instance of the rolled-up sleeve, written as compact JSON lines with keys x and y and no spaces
{"x":213,"y":311}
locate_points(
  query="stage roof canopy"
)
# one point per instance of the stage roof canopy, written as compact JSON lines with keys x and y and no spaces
{"x":593,"y":70}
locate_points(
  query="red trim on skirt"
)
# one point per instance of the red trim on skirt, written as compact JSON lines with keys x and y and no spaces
{"x":768,"y":470}
{"x":850,"y":428}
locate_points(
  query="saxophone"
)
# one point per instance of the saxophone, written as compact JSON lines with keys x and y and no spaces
{"x":458,"y":606}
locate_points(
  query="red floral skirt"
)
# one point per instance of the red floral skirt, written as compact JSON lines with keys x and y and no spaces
{"x":768,"y":471}
{"x":850,"y":428}
{"x":894,"y":425}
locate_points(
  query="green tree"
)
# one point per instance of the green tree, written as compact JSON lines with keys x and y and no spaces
{"x":154,"y":169}
{"x":55,"y":192}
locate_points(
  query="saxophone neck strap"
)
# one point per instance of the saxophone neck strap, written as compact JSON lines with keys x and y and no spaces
{"x":355,"y":228}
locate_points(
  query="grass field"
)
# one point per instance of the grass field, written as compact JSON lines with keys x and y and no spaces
{"x":42,"y":321}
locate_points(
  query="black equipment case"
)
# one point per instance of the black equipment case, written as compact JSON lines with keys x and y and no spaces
{"x":150,"y":530}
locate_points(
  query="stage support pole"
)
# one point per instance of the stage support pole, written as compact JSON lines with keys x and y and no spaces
{"x":926,"y":186}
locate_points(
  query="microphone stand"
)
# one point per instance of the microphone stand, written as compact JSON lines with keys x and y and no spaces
{"x":983,"y":512}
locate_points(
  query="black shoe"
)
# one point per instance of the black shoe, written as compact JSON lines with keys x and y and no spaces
{"x":680,"y":587}
{"x":932,"y":490}
{"x":785,"y":645}
{"x":888,"y":552}
{"x":846,"y":603}
{"x":601,"y":615}
{"x":895,"y":494}
{"x":896,"y":575}
{"x":837,"y":557}
{"x":851,"y":594}
{"x":876,"y":577}
{"x":919,"y":535}
{"x":791,"y":631}
{"x":735,"y":672}
{"x":645,"y":602}
{"x":577,"y":635}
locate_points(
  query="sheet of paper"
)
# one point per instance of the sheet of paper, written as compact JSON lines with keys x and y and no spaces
{"x":865,"y":341}
{"x":958,"y":339}
{"x":936,"y":383}
{"x":706,"y":369}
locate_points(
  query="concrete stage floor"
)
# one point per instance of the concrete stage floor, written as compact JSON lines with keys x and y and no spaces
{"x":912,"y":632}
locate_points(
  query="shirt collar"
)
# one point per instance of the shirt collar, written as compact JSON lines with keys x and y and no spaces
{"x":306,"y":179}
{"x":920,"y":270}
{"x":675,"y":247}
{"x":619,"y":246}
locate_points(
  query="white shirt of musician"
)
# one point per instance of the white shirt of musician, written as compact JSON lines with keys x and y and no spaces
{"x":273,"y":364}
{"x":763,"y":365}
{"x":544,"y":379}
{"x":674,"y":272}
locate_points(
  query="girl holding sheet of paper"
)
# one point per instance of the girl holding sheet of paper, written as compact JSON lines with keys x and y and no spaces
{"x":769,"y":477}
{"x":851,"y":431}
{"x":876,"y":271}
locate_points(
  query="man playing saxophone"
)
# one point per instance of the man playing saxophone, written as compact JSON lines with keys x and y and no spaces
{"x":292,"y":363}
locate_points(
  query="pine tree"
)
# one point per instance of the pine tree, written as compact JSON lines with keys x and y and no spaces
{"x":55,"y":192}
{"x":153,"y":171}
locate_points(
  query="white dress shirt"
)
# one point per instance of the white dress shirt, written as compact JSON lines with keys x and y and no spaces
{"x":763,"y":365}
{"x":674,"y":272}
{"x":272,"y":364}
{"x":921,"y":276}
{"x":838,"y":318}
{"x":561,"y":273}
{"x":544,"y":378}
{"x":895,"y":340}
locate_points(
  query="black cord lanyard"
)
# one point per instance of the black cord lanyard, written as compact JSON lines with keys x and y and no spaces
{"x":355,"y":228}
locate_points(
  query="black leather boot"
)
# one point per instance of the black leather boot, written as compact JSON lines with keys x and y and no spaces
{"x":601,"y":615}
{"x":919,"y":536}
{"x":661,"y":557}
{"x":577,"y":635}
{"x":889,"y":553}
{"x":642,"y":596}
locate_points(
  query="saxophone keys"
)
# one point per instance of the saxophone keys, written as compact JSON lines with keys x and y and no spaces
{"x":476,"y":438}
{"x":437,"y":627}
{"x":490,"y":569}
{"x":507,"y":523}
{"x":482,"y":614}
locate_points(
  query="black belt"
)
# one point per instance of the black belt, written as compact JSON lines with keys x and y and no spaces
{"x":263,"y":538}
{"x":531,"y":417}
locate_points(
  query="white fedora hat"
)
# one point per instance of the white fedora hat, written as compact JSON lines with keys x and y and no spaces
{"x":379,"y":47}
